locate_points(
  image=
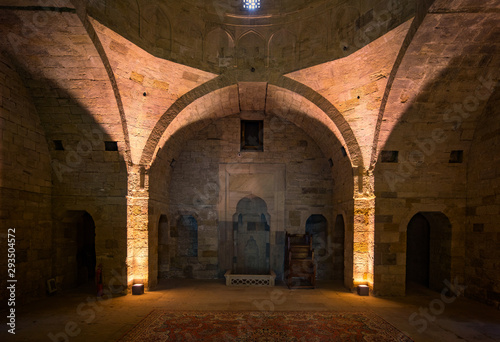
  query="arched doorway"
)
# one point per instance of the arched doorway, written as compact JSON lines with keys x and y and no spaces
{"x":418,"y":251}
{"x":428,"y":254}
{"x":85,"y":248}
{"x":338,"y":237}
{"x":251,"y":236}
{"x":317,"y":226}
{"x":163,"y":248}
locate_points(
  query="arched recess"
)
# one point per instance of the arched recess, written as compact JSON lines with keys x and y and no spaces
{"x":342,"y":30}
{"x":219,"y":98}
{"x":251,"y":237}
{"x":282,"y":48}
{"x":184,"y":245}
{"x":219,"y":48}
{"x":187,"y":31}
{"x":155,"y":28}
{"x":163,"y":247}
{"x":428,"y":253}
{"x":123,"y":15}
{"x":317,"y":226}
{"x":75,"y":242}
{"x":418,"y":251}
{"x":251,"y":50}
{"x":313,"y":37}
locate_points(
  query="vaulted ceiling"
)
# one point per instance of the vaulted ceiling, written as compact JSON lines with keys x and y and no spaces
{"x":348,"y":73}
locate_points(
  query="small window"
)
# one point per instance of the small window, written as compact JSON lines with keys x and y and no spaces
{"x":252,"y":133}
{"x":251,"y":4}
{"x":389,"y":156}
{"x":58,"y":145}
{"x":111,"y":146}
{"x":456,"y":157}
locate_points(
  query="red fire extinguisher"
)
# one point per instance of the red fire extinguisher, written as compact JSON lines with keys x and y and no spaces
{"x":98,"y":280}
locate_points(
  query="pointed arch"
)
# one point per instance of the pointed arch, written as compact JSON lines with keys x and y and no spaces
{"x":282,"y":48}
{"x":251,"y":50}
{"x":218,"y":46}
{"x":188,"y":31}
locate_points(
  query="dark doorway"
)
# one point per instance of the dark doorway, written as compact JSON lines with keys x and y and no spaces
{"x":188,"y":236}
{"x":85,"y":248}
{"x":418,"y":251}
{"x":317,"y":226}
{"x":163,"y":248}
{"x":338,"y":248}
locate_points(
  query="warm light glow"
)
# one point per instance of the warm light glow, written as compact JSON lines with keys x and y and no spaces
{"x":138,"y":289}
{"x":251,"y":4}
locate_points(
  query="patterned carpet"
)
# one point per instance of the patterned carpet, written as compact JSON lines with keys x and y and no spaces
{"x":162,"y":325}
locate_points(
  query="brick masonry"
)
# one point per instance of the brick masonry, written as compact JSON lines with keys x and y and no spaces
{"x":170,"y":82}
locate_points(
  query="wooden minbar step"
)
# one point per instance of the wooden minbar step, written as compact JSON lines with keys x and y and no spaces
{"x":300,"y":269}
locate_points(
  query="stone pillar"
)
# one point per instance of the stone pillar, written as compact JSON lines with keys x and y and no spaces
{"x":137,"y":227}
{"x":364,"y":230}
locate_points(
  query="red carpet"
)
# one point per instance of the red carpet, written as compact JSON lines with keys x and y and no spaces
{"x":162,"y":325}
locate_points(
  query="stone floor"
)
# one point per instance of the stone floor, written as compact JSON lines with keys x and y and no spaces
{"x":76,"y":316}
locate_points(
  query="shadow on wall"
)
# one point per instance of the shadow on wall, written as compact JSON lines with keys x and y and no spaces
{"x":420,"y":163}
{"x":483,"y":207}
{"x":87,"y":175}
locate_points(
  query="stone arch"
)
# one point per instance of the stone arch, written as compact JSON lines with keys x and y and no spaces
{"x":329,"y":117}
{"x":216,"y":98}
{"x":282,"y":48}
{"x":156,"y":139}
{"x":251,"y":50}
{"x":219,"y":48}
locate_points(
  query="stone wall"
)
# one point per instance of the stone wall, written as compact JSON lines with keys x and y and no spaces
{"x":483,"y":208}
{"x":421,"y":180}
{"x":282,"y":36}
{"x":195,"y":186}
{"x":25,"y":187}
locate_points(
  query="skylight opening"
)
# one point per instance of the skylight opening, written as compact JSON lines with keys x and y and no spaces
{"x":251,"y":4}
